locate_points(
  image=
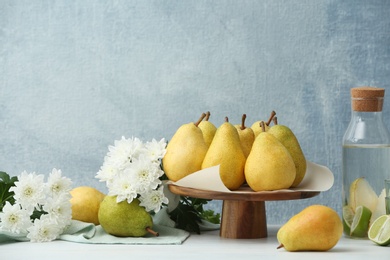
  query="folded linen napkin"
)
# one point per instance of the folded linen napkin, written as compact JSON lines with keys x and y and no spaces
{"x":82,"y":232}
{"x":92,"y":234}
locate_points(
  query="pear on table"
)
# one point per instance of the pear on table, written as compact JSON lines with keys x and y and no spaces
{"x":256,"y":127}
{"x":185,"y":151}
{"x":208,"y":129}
{"x":315,"y":228}
{"x":290,"y":141}
{"x":269,"y":165}
{"x":125,"y":219}
{"x":225,"y":150}
{"x":247,"y":137}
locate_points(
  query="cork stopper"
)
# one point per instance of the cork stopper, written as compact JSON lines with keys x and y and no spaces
{"x":367,"y":99}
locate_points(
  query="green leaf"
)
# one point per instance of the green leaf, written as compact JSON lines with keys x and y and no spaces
{"x":37,"y":214}
{"x":5,"y":177}
{"x":186,"y":218}
{"x":189,"y":214}
{"x":5,"y":184}
{"x":211,"y":216}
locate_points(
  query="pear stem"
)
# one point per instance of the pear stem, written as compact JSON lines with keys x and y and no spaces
{"x":243,"y":122}
{"x":207,"y":116}
{"x":273,"y":113}
{"x":151,"y":231}
{"x":280,"y":246}
{"x":275,"y":119}
{"x":200,"y":119}
{"x":262,"y":125}
{"x":226,"y":119}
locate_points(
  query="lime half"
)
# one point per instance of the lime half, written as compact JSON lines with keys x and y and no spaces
{"x":361,"y":221}
{"x":379,"y":231}
{"x":348,"y":215}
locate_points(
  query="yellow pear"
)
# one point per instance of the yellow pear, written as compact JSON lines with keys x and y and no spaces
{"x":247,"y":137}
{"x":85,"y":203}
{"x":225,"y":150}
{"x":289,"y":140}
{"x":185,"y":151}
{"x":269,"y":165}
{"x":208,"y":129}
{"x":256,"y":127}
{"x":316,"y":228}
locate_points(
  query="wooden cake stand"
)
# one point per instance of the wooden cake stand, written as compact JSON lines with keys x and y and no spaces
{"x":243,"y":212}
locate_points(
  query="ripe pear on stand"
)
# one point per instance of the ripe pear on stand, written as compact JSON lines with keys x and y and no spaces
{"x":316,"y":228}
{"x":257,"y":129}
{"x":269,"y":165}
{"x":185,"y":151}
{"x":247,"y":137}
{"x":208,"y":129}
{"x":225,"y":150}
{"x":289,"y":140}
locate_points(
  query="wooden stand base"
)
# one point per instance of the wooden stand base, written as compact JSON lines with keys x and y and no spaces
{"x":243,"y":213}
{"x":243,"y":219}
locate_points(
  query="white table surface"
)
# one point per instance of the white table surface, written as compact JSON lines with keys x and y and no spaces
{"x":208,"y":245}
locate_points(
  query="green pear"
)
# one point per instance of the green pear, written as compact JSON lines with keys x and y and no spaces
{"x":256,"y":127}
{"x":208,"y":129}
{"x":124,"y":219}
{"x":247,"y":137}
{"x":315,"y":228}
{"x":269,"y":165}
{"x":225,"y":150}
{"x":185,"y":151}
{"x":289,"y":140}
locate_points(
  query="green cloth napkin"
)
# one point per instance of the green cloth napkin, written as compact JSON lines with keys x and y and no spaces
{"x":82,"y":232}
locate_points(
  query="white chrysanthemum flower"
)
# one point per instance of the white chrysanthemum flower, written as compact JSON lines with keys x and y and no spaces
{"x":58,"y":185}
{"x":44,"y":229}
{"x":123,"y":152}
{"x":122,"y":187}
{"x":107,"y":172}
{"x":144,"y":174}
{"x":29,"y":190}
{"x":156,"y":150}
{"x":14,"y":219}
{"x":132,"y":169}
{"x":59,"y":209}
{"x":153,"y":200}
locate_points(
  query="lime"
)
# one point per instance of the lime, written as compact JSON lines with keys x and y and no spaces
{"x":379,"y":231}
{"x":361,"y":221}
{"x":348,"y":215}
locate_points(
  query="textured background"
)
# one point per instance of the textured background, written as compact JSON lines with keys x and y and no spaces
{"x":77,"y":75}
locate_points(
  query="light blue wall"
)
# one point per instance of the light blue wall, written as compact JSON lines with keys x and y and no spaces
{"x":77,"y":75}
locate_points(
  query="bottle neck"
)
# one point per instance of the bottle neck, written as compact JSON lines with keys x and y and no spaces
{"x":367,"y":128}
{"x":367,"y":115}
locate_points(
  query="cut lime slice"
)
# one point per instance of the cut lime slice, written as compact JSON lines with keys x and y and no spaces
{"x":348,"y":215}
{"x":379,"y":231}
{"x":361,"y":221}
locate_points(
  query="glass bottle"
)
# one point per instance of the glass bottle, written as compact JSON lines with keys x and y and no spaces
{"x":366,"y":162}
